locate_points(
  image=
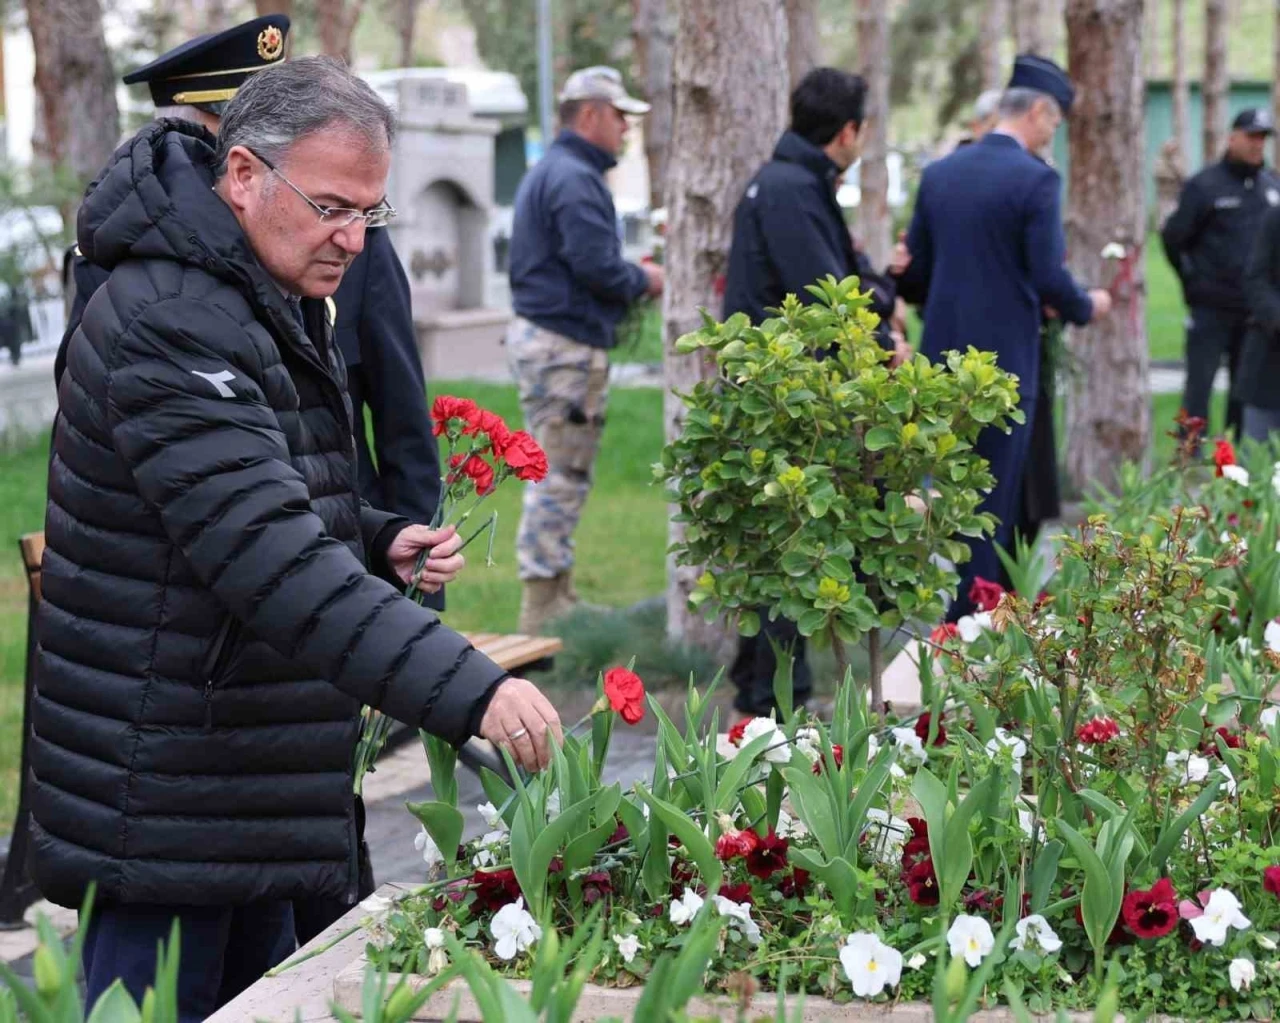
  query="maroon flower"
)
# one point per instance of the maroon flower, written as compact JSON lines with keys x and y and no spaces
{"x":737,"y":892}
{"x":769,"y":856}
{"x":837,"y":754}
{"x":984,"y":594}
{"x":1152,"y":913}
{"x":733,"y":844}
{"x":1271,"y":880}
{"x":980,"y":901}
{"x":795,"y":884}
{"x":922,"y":883}
{"x":1097,"y":730}
{"x":620,"y":834}
{"x":1232,"y":739}
{"x":495,"y":888}
{"x":596,"y":886}
{"x":917,"y":846}
{"x":922,"y":729}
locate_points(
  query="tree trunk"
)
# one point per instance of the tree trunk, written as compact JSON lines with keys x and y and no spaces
{"x":1181,"y":88}
{"x":1215,"y":83}
{"x":653,"y":31}
{"x":265,"y":7}
{"x":803,"y":47}
{"x":1109,"y":402}
{"x":729,"y":112}
{"x":404,"y":18}
{"x":336,"y":21}
{"x":875,"y":223}
{"x":1030,"y":26}
{"x":991,"y":34}
{"x":75,"y":86}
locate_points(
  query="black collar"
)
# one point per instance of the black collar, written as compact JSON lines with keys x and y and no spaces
{"x":587,"y":151}
{"x":797,"y":149}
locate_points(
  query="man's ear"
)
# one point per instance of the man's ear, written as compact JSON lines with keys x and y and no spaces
{"x":240,"y":181}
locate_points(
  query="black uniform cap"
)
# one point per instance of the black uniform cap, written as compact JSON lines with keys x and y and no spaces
{"x":210,"y":68}
{"x":1254,"y":121}
{"x":1043,"y":75}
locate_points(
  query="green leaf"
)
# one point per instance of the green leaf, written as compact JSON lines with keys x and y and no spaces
{"x":531,"y":867}
{"x":1172,"y":834}
{"x":442,"y":759}
{"x":691,"y":837}
{"x":115,"y":1006}
{"x":579,"y":852}
{"x":1098,"y":899}
{"x":809,"y":799}
{"x":1044,"y":874}
{"x":880,"y":437}
{"x":637,"y":826}
{"x":736,"y":771}
{"x":500,"y":794}
{"x":445,"y":824}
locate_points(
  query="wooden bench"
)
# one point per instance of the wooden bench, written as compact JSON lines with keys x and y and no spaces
{"x":514,"y":652}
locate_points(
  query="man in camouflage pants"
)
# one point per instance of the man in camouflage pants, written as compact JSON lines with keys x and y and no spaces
{"x":570,"y":288}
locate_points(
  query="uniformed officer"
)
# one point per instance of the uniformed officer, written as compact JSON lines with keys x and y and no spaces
{"x":1208,"y":239}
{"x":987,"y":253}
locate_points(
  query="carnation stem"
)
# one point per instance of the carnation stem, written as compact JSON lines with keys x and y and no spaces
{"x":275,"y":971}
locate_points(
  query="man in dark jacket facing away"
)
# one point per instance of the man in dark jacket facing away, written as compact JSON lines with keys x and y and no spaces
{"x":1208,"y":239}
{"x":218,"y":602}
{"x":570,"y":288}
{"x":788,"y":232}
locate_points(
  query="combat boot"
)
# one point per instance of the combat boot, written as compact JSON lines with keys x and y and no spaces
{"x":571,"y":599}
{"x":541,"y":601}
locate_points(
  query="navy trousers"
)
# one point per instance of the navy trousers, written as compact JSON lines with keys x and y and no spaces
{"x":224,"y":950}
{"x":1007,"y":454}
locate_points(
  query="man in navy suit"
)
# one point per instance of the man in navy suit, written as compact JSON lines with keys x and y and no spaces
{"x":987,"y":254}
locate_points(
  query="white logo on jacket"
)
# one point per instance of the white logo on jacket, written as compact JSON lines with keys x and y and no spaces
{"x":219,"y":381}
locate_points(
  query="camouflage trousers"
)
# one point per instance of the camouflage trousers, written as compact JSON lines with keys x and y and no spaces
{"x":564,"y":386}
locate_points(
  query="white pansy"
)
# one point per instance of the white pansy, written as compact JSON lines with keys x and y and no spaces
{"x":778,"y":750}
{"x":971,"y":627}
{"x":492,"y":819}
{"x":1272,"y":636}
{"x":1241,"y":972}
{"x":1035,"y":935}
{"x":628,"y":946}
{"x":1265,"y":942}
{"x":910,"y":749}
{"x":426,"y":845}
{"x":1236,"y":474}
{"x":1221,"y":912}
{"x":740,"y":915}
{"x":916,"y":961}
{"x":514,"y":930}
{"x":1229,"y":786}
{"x":433,"y":937}
{"x":1016,"y":746}
{"x":870,"y":964}
{"x":1187,"y":766}
{"x":970,"y":938}
{"x":487,"y":855}
{"x":686,"y":907}
{"x":789,"y":827}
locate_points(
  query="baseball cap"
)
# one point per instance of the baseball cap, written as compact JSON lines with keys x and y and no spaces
{"x":602,"y":83}
{"x":1254,"y":121}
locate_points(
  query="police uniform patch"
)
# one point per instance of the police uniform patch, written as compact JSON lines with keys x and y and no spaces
{"x":270,"y":43}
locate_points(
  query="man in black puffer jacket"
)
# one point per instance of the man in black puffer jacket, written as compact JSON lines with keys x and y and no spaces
{"x":218,"y":602}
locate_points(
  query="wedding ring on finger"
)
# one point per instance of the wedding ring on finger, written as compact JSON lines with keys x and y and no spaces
{"x":518,"y":733}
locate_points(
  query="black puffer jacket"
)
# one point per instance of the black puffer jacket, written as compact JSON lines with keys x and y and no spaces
{"x":209,"y":628}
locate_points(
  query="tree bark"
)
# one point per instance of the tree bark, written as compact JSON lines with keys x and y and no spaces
{"x":991,"y":35}
{"x":1108,"y":405}
{"x":265,"y":7}
{"x":803,"y":46}
{"x":1216,"y":82}
{"x":729,"y":113}
{"x":1181,"y":85}
{"x":653,"y":32}
{"x":1030,"y":26}
{"x":875,"y":222}
{"x":336,"y":21}
{"x":75,"y":86}
{"x":404,"y":17}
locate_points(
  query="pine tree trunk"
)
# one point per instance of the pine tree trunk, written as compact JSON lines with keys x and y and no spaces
{"x":803,"y":48}
{"x":404,"y":17}
{"x":1181,"y":87}
{"x":991,"y":35}
{"x":1030,"y":26}
{"x":75,"y":88}
{"x":1108,"y":405}
{"x":875,"y":222}
{"x":265,"y":7}
{"x":653,"y":34}
{"x":1216,"y":81}
{"x":336,"y":21}
{"x":729,"y":112}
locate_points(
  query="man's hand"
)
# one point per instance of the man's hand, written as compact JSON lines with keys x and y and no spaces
{"x":902,"y":351}
{"x":520,"y":718}
{"x":1101,"y":303}
{"x":443,"y":562}
{"x":900,"y":260}
{"x":656,"y":278}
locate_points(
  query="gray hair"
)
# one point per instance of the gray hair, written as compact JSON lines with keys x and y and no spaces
{"x":1018,"y":101}
{"x":283,"y":104}
{"x":986,"y":104}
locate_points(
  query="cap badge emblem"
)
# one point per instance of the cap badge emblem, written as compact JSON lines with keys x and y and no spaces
{"x":270,"y":43}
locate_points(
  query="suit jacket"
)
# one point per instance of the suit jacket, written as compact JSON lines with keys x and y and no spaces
{"x":987,"y":252}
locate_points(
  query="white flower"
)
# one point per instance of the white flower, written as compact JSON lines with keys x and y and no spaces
{"x":1008,"y":741}
{"x":740,"y":914}
{"x":970,"y":937}
{"x":873,"y":747}
{"x":1241,"y":972}
{"x":514,"y":930}
{"x":686,"y":907}
{"x":426,"y":845}
{"x":486,"y":856}
{"x":789,"y":827}
{"x":911,"y":749}
{"x":886,"y":835}
{"x":433,"y":937}
{"x":553,"y":804}
{"x":916,"y":961}
{"x":1220,"y":912}
{"x":1113,"y":250}
{"x":628,"y":946}
{"x":492,"y":819}
{"x":809,"y":744}
{"x":970,"y":627}
{"x":1267,"y":944}
{"x":1035,"y":934}
{"x":870,"y":964}
{"x":1027,"y":821}
{"x":1230,"y":784}
{"x":1188,"y":766}
{"x":778,"y":750}
{"x":1236,"y":474}
{"x":1272,"y":636}
{"x":1275,"y":482}
{"x":1245,"y":647}
{"x":376,"y":905}
{"x":1241,"y":542}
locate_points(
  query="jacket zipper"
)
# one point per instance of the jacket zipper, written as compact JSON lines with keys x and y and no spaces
{"x":216,"y":663}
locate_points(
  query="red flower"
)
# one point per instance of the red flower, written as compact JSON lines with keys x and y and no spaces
{"x":1210,"y":746}
{"x":738,"y":731}
{"x":795,"y":884}
{"x":480,"y":472}
{"x":1152,"y":913}
{"x":737,"y":893}
{"x":769,"y":855}
{"x":1097,"y":730}
{"x":625,"y":693}
{"x":447,"y":408}
{"x":922,"y":884}
{"x":917,"y":846}
{"x":596,"y":886}
{"x":837,"y":754}
{"x":943,"y":633}
{"x":733,"y":844}
{"x":495,"y":888}
{"x":526,"y":457}
{"x":922,"y":729}
{"x":1271,"y":880}
{"x":1223,"y":454}
{"x":980,"y":901}
{"x":620,"y":834}
{"x":984,"y":594}
{"x":495,"y":428}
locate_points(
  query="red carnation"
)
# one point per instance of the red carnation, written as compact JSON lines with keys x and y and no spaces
{"x":769,"y":855}
{"x":984,"y":594}
{"x":837,"y":754}
{"x":526,"y":457}
{"x":944,"y":633}
{"x":737,"y":893}
{"x":492,"y":426}
{"x":1152,"y":913}
{"x":795,"y":884}
{"x":481,"y":474}
{"x":922,"y":884}
{"x":922,"y":729}
{"x":733,"y":844}
{"x":625,"y":692}
{"x":1271,"y":880}
{"x":738,"y":731}
{"x":1223,"y":454}
{"x":1097,"y":730}
{"x":495,"y":888}
{"x":447,"y":408}
{"x":1232,"y":740}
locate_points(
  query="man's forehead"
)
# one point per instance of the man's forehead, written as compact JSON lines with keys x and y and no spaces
{"x":341,"y":167}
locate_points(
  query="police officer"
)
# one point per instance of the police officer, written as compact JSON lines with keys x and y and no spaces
{"x":1208,"y":239}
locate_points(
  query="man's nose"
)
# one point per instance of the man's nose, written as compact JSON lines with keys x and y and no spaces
{"x":351,"y":238}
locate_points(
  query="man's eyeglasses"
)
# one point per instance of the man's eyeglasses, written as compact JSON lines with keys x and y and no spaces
{"x":336,"y":216}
